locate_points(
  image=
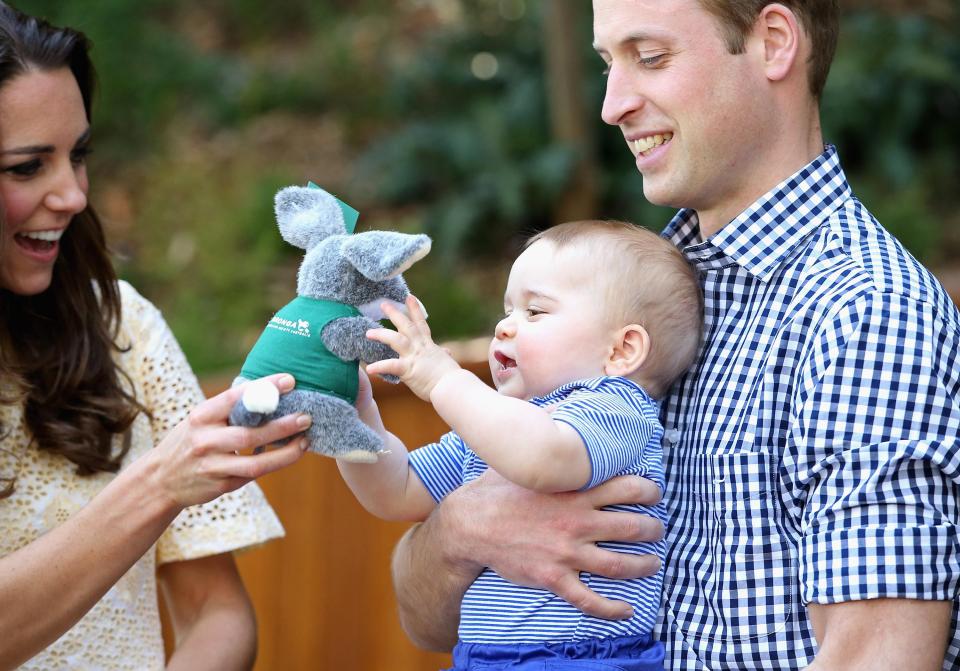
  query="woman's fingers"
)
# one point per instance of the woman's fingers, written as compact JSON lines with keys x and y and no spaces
{"x":240,"y":438}
{"x":236,"y":470}
{"x":217,"y":408}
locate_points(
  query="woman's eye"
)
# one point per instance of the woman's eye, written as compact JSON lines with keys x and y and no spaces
{"x":25,"y":169}
{"x":80,"y":154}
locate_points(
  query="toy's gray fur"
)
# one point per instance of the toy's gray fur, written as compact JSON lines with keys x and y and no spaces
{"x":362,"y":270}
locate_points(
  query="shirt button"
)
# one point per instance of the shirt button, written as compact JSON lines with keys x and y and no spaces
{"x":671,"y":436}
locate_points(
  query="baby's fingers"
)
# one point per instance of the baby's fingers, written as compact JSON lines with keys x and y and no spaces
{"x":386,"y":367}
{"x":417,"y":316}
{"x":397,"y":317}
{"x":392,"y":339}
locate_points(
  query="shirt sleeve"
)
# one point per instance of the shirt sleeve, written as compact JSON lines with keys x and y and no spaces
{"x":169,"y":389}
{"x":619,"y":427}
{"x":874,"y":443}
{"x":440,"y":465}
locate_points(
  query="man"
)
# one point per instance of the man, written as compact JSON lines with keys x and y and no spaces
{"x":812,"y":449}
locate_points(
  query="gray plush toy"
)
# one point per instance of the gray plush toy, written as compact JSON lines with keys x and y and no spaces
{"x":320,"y":337}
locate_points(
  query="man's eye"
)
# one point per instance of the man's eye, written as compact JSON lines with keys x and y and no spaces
{"x":650,"y":61}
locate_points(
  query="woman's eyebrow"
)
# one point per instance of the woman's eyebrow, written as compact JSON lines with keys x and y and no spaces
{"x":43,"y":148}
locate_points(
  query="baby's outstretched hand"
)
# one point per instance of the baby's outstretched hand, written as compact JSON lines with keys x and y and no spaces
{"x":422,"y":362}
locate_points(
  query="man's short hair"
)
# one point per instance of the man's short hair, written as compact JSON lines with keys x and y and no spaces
{"x":645,"y":280}
{"x":820,"y":19}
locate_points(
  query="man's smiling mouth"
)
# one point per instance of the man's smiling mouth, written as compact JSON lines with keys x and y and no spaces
{"x":645,"y":144}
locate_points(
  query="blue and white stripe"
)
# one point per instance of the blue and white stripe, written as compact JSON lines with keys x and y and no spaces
{"x":619,"y":424}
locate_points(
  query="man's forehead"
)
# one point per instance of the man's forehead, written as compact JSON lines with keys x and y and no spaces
{"x":617,"y":22}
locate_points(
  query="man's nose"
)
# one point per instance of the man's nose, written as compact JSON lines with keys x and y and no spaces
{"x":621,"y":97}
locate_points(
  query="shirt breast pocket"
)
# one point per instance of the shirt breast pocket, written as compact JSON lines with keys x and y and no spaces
{"x":741,"y":562}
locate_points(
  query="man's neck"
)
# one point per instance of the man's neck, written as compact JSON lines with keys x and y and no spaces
{"x":786,"y":159}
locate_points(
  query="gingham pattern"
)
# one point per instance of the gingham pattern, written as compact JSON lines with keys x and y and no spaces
{"x":619,"y":425}
{"x":811,"y":452}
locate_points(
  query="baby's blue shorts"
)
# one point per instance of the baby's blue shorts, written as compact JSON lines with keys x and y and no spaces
{"x":626,"y":653}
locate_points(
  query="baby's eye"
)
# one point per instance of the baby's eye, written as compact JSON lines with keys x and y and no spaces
{"x":533,"y":311}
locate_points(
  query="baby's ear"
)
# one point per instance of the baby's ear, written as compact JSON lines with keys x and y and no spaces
{"x":630,"y":350}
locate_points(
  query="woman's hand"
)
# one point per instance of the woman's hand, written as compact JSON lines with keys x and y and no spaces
{"x":203,"y":457}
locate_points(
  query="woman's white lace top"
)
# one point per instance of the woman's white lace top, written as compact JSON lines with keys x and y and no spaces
{"x":123,"y":630}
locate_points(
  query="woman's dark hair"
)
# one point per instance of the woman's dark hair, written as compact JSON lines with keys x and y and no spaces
{"x":57,"y":347}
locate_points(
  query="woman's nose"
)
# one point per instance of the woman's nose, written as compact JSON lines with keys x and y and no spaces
{"x":69,"y":191}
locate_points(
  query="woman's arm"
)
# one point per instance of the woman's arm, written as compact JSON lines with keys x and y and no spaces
{"x":212,"y":617}
{"x":65,"y":572}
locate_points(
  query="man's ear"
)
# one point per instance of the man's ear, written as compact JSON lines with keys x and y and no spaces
{"x":630,"y":350}
{"x":778,"y":33}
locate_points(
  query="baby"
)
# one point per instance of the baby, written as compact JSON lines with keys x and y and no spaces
{"x":600,"y":318}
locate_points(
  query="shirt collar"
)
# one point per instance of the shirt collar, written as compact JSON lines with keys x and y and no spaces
{"x":762,"y":236}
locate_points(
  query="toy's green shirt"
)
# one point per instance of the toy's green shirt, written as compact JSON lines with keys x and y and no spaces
{"x":291,"y":343}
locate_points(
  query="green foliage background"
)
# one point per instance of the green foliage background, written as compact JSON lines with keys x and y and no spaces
{"x":206,"y":109}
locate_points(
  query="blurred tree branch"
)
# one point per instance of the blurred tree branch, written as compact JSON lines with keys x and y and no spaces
{"x":570,"y":123}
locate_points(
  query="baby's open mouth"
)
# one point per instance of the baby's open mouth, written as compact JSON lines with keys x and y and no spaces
{"x":504,"y":361}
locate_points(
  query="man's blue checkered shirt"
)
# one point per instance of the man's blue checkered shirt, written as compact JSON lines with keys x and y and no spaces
{"x":812,"y":451}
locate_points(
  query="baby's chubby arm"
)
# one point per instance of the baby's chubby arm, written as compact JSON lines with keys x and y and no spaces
{"x":388,"y":488}
{"x":517,"y":439}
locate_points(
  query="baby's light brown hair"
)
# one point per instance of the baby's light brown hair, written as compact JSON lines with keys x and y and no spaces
{"x":645,"y":280}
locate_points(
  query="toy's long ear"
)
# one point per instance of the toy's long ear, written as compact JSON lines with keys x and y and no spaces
{"x":380,"y":255}
{"x":307,"y":216}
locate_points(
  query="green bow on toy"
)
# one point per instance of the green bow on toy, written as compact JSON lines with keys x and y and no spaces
{"x":350,"y":215}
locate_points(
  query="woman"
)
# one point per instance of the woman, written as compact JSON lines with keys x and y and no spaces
{"x":90,"y":380}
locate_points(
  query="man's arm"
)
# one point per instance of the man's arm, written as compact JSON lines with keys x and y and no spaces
{"x":879,"y":634}
{"x":532,"y":539}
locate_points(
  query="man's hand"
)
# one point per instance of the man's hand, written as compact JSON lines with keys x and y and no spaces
{"x":545,"y":540}
{"x":422,"y":362}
